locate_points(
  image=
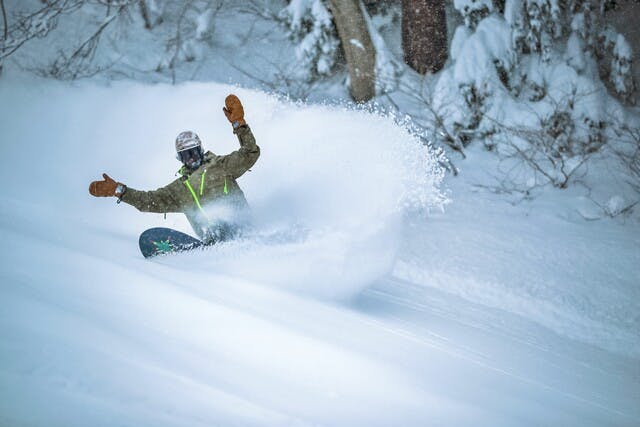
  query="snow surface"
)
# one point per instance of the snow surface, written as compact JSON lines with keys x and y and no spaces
{"x":357,"y":301}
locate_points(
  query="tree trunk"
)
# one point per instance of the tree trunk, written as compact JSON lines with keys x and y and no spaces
{"x":358,"y":47}
{"x":424,"y":34}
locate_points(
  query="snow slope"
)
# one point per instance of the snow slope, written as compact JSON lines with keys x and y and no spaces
{"x":348,"y":306}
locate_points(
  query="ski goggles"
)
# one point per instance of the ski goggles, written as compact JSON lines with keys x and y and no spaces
{"x":190,"y":154}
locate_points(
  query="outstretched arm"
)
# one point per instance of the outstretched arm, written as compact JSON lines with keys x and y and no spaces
{"x":161,"y":200}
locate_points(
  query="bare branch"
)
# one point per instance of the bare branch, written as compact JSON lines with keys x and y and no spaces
{"x":262,"y":10}
{"x":37,"y":24}
{"x":434,"y":120}
{"x":4,"y":20}
{"x":78,"y":63}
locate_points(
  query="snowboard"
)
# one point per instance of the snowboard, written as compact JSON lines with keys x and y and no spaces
{"x":160,"y":241}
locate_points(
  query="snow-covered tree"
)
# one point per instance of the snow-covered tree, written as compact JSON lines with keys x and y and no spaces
{"x":528,"y":83}
{"x":514,"y":14}
{"x":542,"y":16}
{"x":387,"y":69}
{"x":585,"y":21}
{"x":621,"y":76}
{"x":483,"y":59}
{"x":309,"y":24}
{"x":314,"y":28}
{"x":473,"y":11}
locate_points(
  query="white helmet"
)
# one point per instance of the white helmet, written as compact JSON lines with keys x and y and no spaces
{"x":187,"y":140}
{"x":189,"y":149}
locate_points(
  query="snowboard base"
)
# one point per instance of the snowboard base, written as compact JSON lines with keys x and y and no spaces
{"x":161,"y":241}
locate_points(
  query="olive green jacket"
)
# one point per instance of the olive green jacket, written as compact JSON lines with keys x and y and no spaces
{"x":208,"y":195}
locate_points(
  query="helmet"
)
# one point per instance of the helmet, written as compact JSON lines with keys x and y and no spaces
{"x":189,"y":149}
{"x":186,"y":140}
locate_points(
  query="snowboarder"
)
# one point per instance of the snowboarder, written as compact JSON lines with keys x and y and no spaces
{"x":206,"y":191}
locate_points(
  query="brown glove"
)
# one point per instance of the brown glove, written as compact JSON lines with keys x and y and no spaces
{"x":234,"y":111}
{"x":107,"y":188}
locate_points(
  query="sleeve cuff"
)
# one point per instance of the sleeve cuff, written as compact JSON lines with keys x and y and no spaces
{"x":237,"y":126}
{"x":121,"y":190}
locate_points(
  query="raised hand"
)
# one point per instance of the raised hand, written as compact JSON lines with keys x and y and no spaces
{"x":234,"y":111}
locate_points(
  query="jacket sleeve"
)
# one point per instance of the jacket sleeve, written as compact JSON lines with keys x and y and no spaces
{"x":162,"y":200}
{"x":238,"y":162}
